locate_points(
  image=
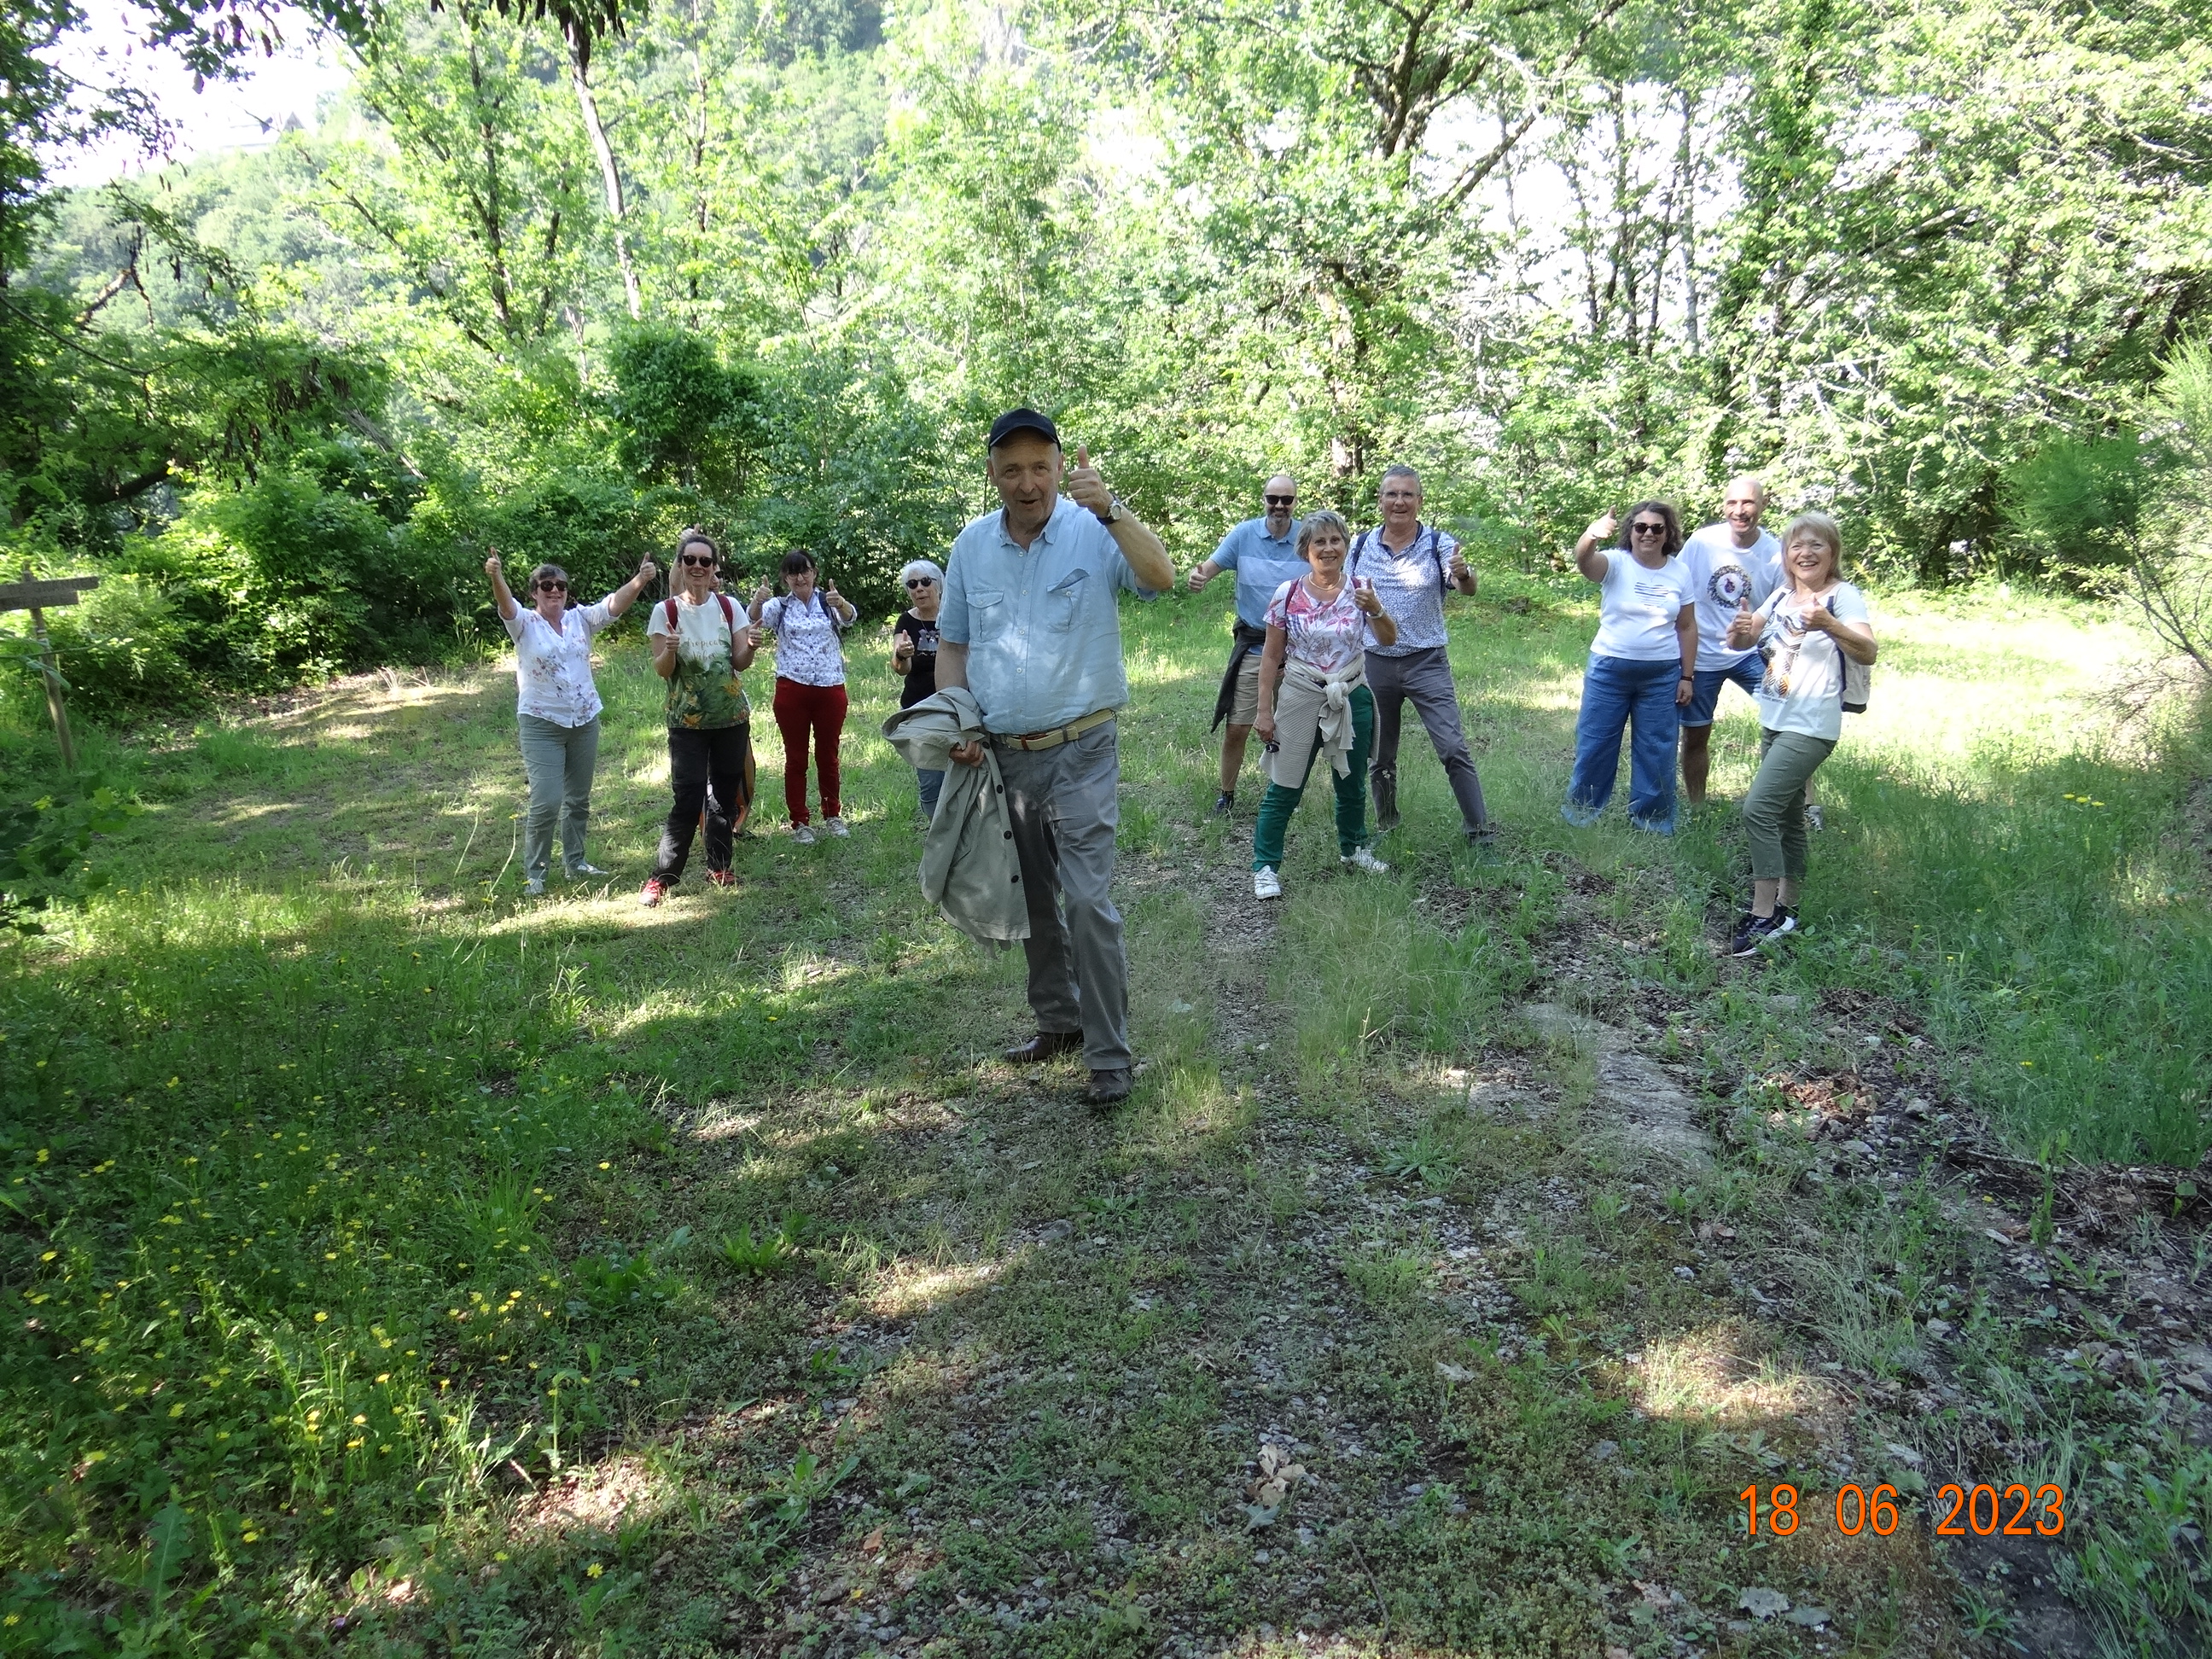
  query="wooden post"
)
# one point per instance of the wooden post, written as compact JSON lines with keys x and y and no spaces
{"x":35,"y":596}
{"x":54,"y":675}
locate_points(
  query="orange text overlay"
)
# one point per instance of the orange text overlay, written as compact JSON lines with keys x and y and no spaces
{"x":2014,"y":1511}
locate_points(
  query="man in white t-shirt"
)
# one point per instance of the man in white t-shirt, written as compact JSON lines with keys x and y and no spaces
{"x":1731,"y":565}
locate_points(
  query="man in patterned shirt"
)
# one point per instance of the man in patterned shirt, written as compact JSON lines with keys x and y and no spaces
{"x":1411,"y":566}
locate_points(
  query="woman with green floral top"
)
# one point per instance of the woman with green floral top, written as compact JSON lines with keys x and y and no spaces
{"x":701,"y":643}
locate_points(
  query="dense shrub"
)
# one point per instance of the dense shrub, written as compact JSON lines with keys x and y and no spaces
{"x":278,"y":581}
{"x":122,"y":647}
{"x":686,"y":417}
{"x":2075,"y":506}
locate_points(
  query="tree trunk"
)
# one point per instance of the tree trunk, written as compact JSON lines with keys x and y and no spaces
{"x":609,"y":175}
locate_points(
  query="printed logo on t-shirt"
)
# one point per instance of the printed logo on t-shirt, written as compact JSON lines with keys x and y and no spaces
{"x":925,"y":639}
{"x":1729,"y":583}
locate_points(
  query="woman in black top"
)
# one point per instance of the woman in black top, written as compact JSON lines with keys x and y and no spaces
{"x":914,"y":653}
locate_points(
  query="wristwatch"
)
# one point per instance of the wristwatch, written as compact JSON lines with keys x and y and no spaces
{"x":1114,"y":513}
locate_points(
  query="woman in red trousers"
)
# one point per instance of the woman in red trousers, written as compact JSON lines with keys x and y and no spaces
{"x":807,"y":622}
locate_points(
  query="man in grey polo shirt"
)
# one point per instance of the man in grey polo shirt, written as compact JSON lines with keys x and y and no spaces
{"x":1411,"y":566}
{"x":1030,"y":627}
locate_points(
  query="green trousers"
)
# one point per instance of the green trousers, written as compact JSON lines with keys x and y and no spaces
{"x":1774,"y":810}
{"x":1280,"y":802}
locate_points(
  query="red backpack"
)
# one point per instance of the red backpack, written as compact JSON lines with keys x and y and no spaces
{"x":729,"y":612}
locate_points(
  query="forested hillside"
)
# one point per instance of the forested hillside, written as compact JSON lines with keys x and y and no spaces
{"x":563,"y":287}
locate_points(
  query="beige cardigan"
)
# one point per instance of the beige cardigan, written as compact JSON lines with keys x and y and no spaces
{"x":1312,"y":706}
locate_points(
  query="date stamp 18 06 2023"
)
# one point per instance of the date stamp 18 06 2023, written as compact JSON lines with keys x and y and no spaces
{"x":2017,"y":1511}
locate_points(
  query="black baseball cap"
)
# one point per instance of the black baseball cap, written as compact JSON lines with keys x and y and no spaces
{"x":1022,"y":420}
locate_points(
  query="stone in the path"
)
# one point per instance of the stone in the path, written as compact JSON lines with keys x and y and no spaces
{"x":1634,"y":1102}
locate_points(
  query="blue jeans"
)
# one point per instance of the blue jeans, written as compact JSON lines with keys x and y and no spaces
{"x":1619,"y":693}
{"x":1705,"y":694}
{"x":930,"y":783}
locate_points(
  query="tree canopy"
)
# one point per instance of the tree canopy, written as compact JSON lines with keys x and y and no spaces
{"x":564,"y":278}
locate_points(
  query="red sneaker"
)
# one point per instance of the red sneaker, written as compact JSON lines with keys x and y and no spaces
{"x":654,"y":891}
{"x":723,"y":877}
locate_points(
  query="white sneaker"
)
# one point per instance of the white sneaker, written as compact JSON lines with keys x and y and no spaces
{"x":803,"y":834}
{"x":835,"y":826}
{"x":1265,"y":883}
{"x":1360,"y":859}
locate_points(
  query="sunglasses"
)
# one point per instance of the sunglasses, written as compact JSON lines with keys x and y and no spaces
{"x":1279,"y":501}
{"x":693,"y":562}
{"x":550,"y":586}
{"x":921,"y":581}
{"x":1648,"y":529}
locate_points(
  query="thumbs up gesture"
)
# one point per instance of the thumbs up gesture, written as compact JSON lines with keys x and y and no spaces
{"x":1600,"y":532}
{"x":1743,"y":627}
{"x":1085,"y":486}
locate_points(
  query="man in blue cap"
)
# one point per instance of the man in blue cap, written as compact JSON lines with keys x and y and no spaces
{"x":1030,"y":628}
{"x":1264,"y":554}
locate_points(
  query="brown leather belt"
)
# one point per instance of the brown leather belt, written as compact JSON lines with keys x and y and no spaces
{"x":1055,"y":737}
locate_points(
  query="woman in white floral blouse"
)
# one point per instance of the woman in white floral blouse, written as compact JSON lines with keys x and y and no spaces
{"x":557,"y":706}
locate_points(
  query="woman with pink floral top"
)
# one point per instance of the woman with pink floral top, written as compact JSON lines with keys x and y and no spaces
{"x":1313,"y":699}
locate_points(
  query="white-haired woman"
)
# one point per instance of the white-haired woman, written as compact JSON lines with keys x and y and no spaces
{"x":914,"y":654}
{"x":557,"y":708}
{"x":1806,"y":630}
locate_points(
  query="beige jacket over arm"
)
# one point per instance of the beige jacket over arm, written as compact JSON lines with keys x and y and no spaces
{"x":969,"y":867}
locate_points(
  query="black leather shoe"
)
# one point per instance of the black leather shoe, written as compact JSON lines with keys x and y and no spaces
{"x":1107,"y":1087}
{"x":1046,"y":1045}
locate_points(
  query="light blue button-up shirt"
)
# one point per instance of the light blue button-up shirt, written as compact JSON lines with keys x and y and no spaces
{"x":1262,"y":564}
{"x":1041,"y":624}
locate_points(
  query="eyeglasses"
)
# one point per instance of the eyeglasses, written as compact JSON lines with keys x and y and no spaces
{"x":550,"y":586}
{"x":1648,"y":529}
{"x":913,"y":582}
{"x":1279,"y":501}
{"x":693,"y":562}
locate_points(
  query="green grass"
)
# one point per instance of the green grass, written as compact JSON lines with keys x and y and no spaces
{"x":391,"y":1258}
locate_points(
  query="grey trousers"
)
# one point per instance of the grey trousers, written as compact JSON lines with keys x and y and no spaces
{"x":1774,"y":806}
{"x":1064,"y":806}
{"x":1424,"y":676}
{"x":559,"y":761}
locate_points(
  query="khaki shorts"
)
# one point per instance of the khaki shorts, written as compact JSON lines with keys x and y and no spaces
{"x":1244,"y":707}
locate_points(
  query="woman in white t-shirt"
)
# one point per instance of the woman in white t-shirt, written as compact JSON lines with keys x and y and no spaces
{"x":1805,"y":631}
{"x":701,"y":644}
{"x":557,"y":706}
{"x":1643,"y":666}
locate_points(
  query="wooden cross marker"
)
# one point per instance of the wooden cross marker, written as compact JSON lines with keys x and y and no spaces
{"x":37,"y":597}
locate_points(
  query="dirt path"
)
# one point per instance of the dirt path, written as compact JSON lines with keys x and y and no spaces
{"x":1455,"y":1354}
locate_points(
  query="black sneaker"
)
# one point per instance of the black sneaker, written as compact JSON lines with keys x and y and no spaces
{"x":1224,"y":804}
{"x":1785,"y":919}
{"x":1753,"y":930}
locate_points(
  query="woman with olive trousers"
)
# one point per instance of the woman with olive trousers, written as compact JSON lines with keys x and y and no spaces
{"x":556,"y":708}
{"x":1807,"y":631}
